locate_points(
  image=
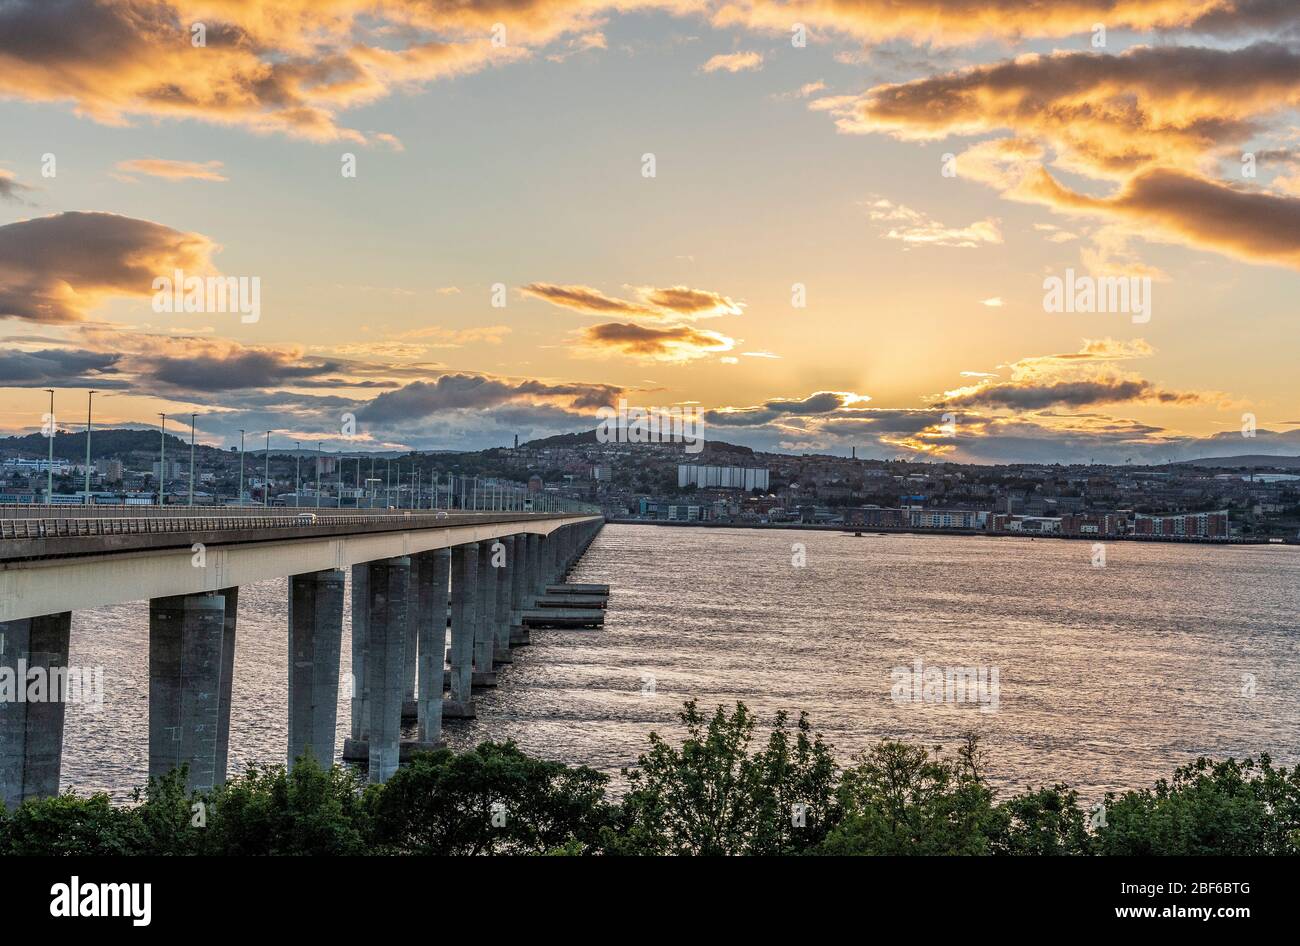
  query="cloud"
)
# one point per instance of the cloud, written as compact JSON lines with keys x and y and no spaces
{"x":916,"y":229}
{"x":58,"y":268}
{"x":10,"y":189}
{"x":174,"y":170}
{"x":672,"y":343}
{"x":1154,"y":122}
{"x":56,"y":367}
{"x":818,"y":404}
{"x":995,"y":302}
{"x":452,"y":392}
{"x":673,"y":303}
{"x":734,"y":62}
{"x":951,"y":22}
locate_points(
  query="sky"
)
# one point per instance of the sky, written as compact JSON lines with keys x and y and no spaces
{"x":825,"y":224}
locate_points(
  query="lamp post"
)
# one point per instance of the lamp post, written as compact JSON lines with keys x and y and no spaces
{"x":388,"y":483}
{"x":340,"y":499}
{"x":193,"y":418}
{"x":90,"y":396}
{"x":266,"y":473}
{"x":241,"y":468}
{"x":317,"y":474}
{"x":49,"y":469}
{"x":297,"y":473}
{"x":162,"y":458}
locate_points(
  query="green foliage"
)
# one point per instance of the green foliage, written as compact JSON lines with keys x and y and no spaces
{"x":1229,"y":807}
{"x":69,"y":825}
{"x":1047,"y":821}
{"x":445,"y":803}
{"x":716,"y":793}
{"x":712,"y":797}
{"x":902,"y":799}
{"x":269,"y":810}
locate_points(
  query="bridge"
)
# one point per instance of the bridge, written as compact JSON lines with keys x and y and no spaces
{"x":420,"y":578}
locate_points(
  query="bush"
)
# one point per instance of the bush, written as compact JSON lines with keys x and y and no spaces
{"x":490,"y":800}
{"x":712,"y":797}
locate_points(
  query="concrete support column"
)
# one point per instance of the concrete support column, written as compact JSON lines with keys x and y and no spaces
{"x":31,"y":733}
{"x":228,"y":627}
{"x":411,"y":658}
{"x":386,"y":623}
{"x":360,"y":639}
{"x":504,"y":577}
{"x":185,"y":663}
{"x":464,"y":621}
{"x":315,"y":642}
{"x":485,"y":591}
{"x":432,"y":579}
{"x":534,"y":564}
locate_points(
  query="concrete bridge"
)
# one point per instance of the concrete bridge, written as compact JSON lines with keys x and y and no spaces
{"x":410,"y":571}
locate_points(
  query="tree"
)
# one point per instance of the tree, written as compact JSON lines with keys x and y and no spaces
{"x":711,"y":797}
{"x":492,"y":799}
{"x":1046,"y":821}
{"x":902,"y":799}
{"x":68,"y":825}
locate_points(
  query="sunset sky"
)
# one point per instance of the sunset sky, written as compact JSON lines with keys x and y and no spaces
{"x":504,"y":142}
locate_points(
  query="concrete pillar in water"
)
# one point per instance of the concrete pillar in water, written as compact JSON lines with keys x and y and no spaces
{"x":464,"y":623}
{"x":534,"y":564}
{"x":505,"y":575}
{"x":31,"y":733}
{"x":227,"y":679}
{"x":360,"y":638}
{"x":315,"y":642}
{"x":485,"y":591}
{"x":518,"y":590}
{"x":185,"y":665}
{"x":433,"y":572}
{"x":386,"y":623}
{"x":411,"y":655}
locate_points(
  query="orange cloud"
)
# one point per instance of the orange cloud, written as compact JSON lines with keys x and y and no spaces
{"x":174,"y":170}
{"x":58,"y":268}
{"x":673,"y":343}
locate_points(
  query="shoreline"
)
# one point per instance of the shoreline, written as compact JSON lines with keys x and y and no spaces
{"x":883,"y":530}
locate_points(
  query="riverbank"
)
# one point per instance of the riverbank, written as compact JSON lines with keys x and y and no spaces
{"x":883,"y":530}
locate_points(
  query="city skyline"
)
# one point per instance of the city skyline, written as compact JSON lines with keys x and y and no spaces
{"x":913,"y":178}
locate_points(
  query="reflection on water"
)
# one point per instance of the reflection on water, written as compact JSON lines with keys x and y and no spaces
{"x":1108,"y":677}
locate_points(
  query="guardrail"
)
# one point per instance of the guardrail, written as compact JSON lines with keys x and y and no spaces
{"x":150,"y":525}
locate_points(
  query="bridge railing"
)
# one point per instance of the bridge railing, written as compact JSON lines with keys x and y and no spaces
{"x":149,"y":525}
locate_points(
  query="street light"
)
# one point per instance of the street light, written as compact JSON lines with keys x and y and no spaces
{"x":317,"y":474}
{"x":266,"y":474}
{"x":162,"y":458}
{"x":297,"y":473}
{"x":241,"y":467}
{"x":193,"y":418}
{"x":89,"y":398}
{"x":49,"y":470}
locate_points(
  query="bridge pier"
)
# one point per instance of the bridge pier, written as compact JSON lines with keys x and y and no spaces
{"x":518,"y":588}
{"x":228,"y":628}
{"x":485,"y":630}
{"x":360,"y":638}
{"x":430,"y":628}
{"x":464,"y":623}
{"x":501,"y":625}
{"x":388,"y":603}
{"x":315,"y":641}
{"x":31,"y":734}
{"x":187,"y":635}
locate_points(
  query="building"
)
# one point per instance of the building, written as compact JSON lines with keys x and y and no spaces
{"x":1193,"y":525}
{"x":947,"y":518}
{"x":722,"y":477}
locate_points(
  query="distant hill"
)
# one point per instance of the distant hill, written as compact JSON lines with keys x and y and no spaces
{"x":71,"y":445}
{"x":588,"y":437}
{"x":1245,"y":461}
